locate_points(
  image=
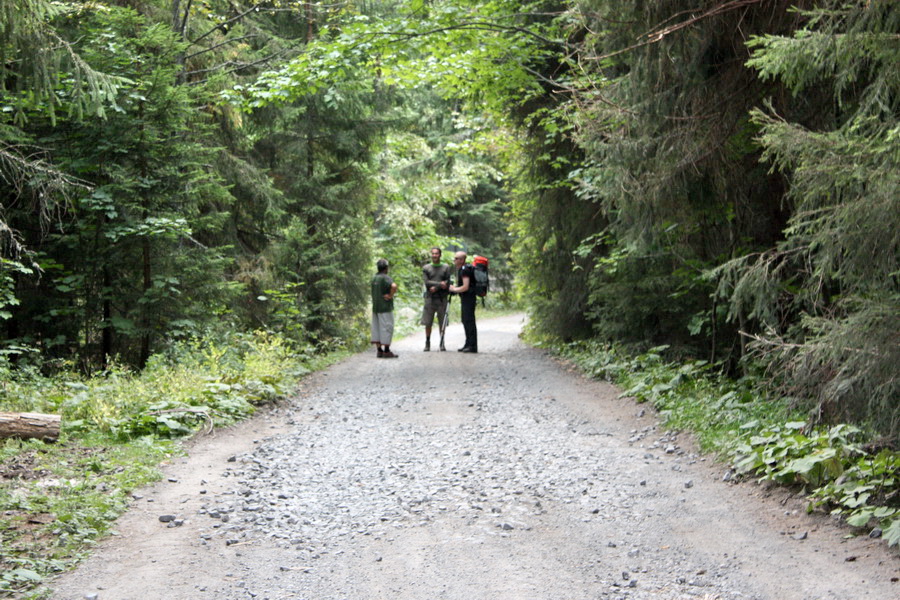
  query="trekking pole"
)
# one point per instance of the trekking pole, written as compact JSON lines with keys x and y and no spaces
{"x":445,"y":321}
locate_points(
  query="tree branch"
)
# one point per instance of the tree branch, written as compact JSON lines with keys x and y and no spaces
{"x":223,"y":24}
{"x":237,"y":66}
{"x":226,"y":42}
{"x":475,"y":26}
{"x":654,"y":36}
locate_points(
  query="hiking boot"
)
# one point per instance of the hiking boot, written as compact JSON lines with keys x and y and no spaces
{"x":427,"y":346}
{"x":388,"y":354}
{"x":470,"y":350}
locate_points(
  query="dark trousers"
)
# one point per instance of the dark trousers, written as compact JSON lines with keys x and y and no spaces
{"x":467,"y":316}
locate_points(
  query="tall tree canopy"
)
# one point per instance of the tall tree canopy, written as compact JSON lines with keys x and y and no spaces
{"x":718,"y":178}
{"x":150,"y":206}
{"x":745,"y":155}
{"x":828,"y":293}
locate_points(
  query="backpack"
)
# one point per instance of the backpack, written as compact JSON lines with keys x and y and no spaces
{"x":482,"y":281}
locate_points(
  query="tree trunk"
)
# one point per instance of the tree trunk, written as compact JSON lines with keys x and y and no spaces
{"x":310,"y":22}
{"x":106,"y":339}
{"x":145,"y":318}
{"x":29,"y":426}
{"x":145,"y":249}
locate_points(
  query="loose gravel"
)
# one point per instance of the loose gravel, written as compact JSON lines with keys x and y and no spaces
{"x":498,"y":475}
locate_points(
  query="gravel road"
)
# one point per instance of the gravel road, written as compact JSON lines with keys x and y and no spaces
{"x":446,"y":476}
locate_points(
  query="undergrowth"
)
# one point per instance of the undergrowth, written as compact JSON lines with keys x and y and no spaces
{"x":57,"y":499}
{"x":760,"y":436}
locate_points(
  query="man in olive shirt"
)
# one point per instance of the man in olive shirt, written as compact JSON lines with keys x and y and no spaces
{"x":383,"y":291}
{"x":436,"y":277}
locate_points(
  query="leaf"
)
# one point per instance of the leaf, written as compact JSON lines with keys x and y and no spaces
{"x":748,"y":463}
{"x":892,"y":533}
{"x":25,"y":575}
{"x":860,"y":519}
{"x":858,"y":501}
{"x":123,"y":325}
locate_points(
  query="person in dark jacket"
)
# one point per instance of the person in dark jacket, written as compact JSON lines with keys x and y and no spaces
{"x":465,"y":288}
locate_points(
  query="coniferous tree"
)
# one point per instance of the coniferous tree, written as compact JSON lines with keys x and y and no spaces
{"x":828,"y":294}
{"x":672,"y":163}
{"x":124,"y":257}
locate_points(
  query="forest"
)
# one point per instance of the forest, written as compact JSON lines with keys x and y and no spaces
{"x":712,"y":182}
{"x":720,"y":179}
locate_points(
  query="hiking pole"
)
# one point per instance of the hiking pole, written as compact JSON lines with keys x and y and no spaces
{"x":445,"y":321}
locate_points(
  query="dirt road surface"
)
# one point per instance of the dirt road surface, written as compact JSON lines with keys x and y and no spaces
{"x":447,"y":476}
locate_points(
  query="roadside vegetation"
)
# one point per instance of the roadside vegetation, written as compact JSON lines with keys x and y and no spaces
{"x":118,"y":428}
{"x":765,"y":437}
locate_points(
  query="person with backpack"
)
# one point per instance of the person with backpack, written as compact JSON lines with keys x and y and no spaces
{"x":465,"y":288}
{"x":436,"y":277}
{"x":383,"y":291}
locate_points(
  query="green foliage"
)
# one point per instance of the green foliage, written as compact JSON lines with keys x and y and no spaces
{"x":784,"y":454}
{"x":689,"y":396}
{"x":672,"y":297}
{"x":549,"y":223}
{"x":7,"y":285}
{"x":670,"y":167}
{"x":408,"y":48}
{"x":830,"y":463}
{"x":607,"y":153}
{"x":669,"y":231}
{"x":117,"y":267}
{"x":194,"y":385}
{"x":42,"y":70}
{"x":438,"y":180}
{"x":826,"y":297}
{"x":866,"y":492}
{"x":71,"y":493}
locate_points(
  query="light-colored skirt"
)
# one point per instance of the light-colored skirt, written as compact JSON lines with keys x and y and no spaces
{"x":382,"y":328}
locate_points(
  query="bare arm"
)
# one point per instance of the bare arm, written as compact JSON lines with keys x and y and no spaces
{"x":459,"y":289}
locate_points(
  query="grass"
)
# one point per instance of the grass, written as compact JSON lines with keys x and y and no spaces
{"x":58,"y":499}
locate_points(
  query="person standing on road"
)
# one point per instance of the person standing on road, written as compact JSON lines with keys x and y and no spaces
{"x":436,"y":277}
{"x":383,"y":291}
{"x":465,"y":288}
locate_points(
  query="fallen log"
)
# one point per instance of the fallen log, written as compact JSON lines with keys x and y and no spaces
{"x":29,"y":426}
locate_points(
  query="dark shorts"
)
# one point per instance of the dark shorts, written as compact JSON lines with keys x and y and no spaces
{"x":434,"y":305}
